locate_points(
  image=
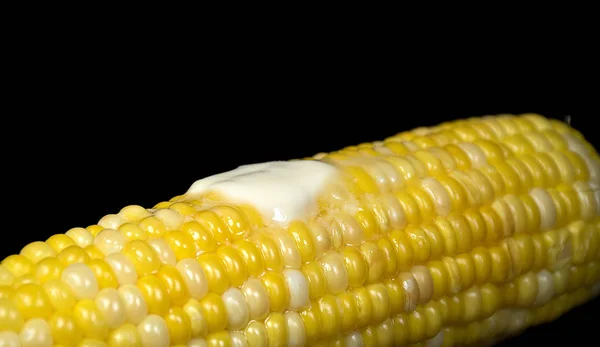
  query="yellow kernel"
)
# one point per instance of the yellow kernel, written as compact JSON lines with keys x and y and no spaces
{"x":483,"y":265}
{"x":183,"y":208}
{"x":142,"y":256}
{"x":203,"y":239}
{"x":279,"y":296}
{"x":94,"y":229}
{"x":527,"y":289}
{"x":32,"y":301}
{"x":404,"y":249}
{"x":467,"y":270}
{"x":348,"y":312}
{"x":59,"y":242}
{"x":73,"y":255}
{"x":401,"y":330}
{"x":60,"y":295}
{"x":64,"y":329}
{"x":133,"y":213}
{"x":93,"y":252}
{"x":494,"y":225}
{"x":389,"y":255}
{"x":182,"y":244}
{"x":235,"y":266}
{"x":234,"y":220}
{"x":381,"y":302}
{"x":478,"y":226}
{"x":179,"y":325}
{"x":215,"y":272}
{"x":211,"y":222}
{"x":269,"y":250}
{"x":18,"y":265}
{"x":464,"y":240}
{"x":376,"y":261}
{"x":364,"y":306}
{"x":152,"y":226}
{"x":10,"y":317}
{"x":6,"y":292}
{"x":409,"y":206}
{"x":155,"y":295}
{"x":501,"y":267}
{"x":37,"y":251}
{"x":256,"y":334}
{"x":214,"y":311}
{"x":103,"y":273}
{"x":252,"y":257}
{"x":329,"y":312}
{"x":316,"y":279}
{"x":90,"y":320}
{"x":48,"y":269}
{"x":303,"y":239}
{"x":490,"y":299}
{"x":396,"y":295}
{"x":471,"y":301}
{"x":174,"y":284}
{"x":356,"y":266}
{"x":418,"y":327}
{"x":198,"y":323}
{"x":132,"y":232}
{"x":125,"y":336}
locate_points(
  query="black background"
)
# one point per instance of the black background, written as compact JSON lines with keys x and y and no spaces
{"x":73,"y":154}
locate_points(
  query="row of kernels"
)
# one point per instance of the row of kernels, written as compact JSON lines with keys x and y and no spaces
{"x":507,"y":322}
{"x":109,"y":240}
{"x":585,"y":242}
{"x":536,"y":289}
{"x":346,"y":311}
{"x":41,"y":333}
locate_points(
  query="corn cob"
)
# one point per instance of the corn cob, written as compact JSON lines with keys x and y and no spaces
{"x":459,"y":234}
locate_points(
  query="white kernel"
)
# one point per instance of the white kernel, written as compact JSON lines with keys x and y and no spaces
{"x":289,"y":252}
{"x":354,"y":339}
{"x":237,"y":309}
{"x":197,"y":342}
{"x":170,"y":218}
{"x":335,"y":272}
{"x":295,"y":329}
{"x":545,"y":287}
{"x":111,"y":221}
{"x":411,"y":290}
{"x":81,"y":236}
{"x":112,"y":308}
{"x":546,"y":207}
{"x":439,"y":195}
{"x":80,"y":278}
{"x":109,"y":241}
{"x":133,"y":301}
{"x":153,"y":332}
{"x":394,"y":211}
{"x":9,"y":339}
{"x":165,"y":253}
{"x":436,"y":341}
{"x":194,"y":277}
{"x":587,"y":200}
{"x":36,"y":333}
{"x":475,"y":154}
{"x":257,"y":298}
{"x":122,"y":267}
{"x":238,"y":339}
{"x":298,"y":286}
{"x":411,"y":146}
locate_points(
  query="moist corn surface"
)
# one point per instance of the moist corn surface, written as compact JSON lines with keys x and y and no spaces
{"x":455,"y":235}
